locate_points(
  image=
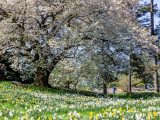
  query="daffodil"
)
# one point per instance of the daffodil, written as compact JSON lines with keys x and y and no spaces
{"x":130,"y":110}
{"x":97,"y":117}
{"x":39,"y":118}
{"x":123,"y":118}
{"x":155,"y":114}
{"x":90,"y":115}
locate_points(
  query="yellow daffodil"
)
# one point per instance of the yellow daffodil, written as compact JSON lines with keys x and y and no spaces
{"x":97,"y":117}
{"x":130,"y":110}
{"x":38,"y":118}
{"x":155,"y":114}
{"x":123,"y":118}
{"x":90,"y":115}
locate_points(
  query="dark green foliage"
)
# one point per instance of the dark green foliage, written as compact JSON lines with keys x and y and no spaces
{"x":139,"y":68}
{"x":138,"y":95}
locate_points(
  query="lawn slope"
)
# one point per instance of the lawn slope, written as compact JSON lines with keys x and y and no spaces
{"x":29,"y":102}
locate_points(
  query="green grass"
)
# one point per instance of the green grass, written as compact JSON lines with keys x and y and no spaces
{"x":30,"y":102}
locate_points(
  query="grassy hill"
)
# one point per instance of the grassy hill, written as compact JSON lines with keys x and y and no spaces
{"x":32,"y":103}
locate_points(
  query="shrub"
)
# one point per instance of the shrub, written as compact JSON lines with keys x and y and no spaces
{"x":141,"y":85}
{"x":123,"y":82}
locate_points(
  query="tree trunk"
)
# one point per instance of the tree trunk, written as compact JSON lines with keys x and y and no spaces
{"x":156,"y":76}
{"x":42,"y":77}
{"x":156,"y":60}
{"x":152,"y":17}
{"x":75,"y":85}
{"x":130,"y":76}
{"x":104,"y":87}
{"x":130,"y":82}
{"x":67,"y":86}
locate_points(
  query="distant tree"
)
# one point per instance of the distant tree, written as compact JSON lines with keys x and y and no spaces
{"x":149,"y":22}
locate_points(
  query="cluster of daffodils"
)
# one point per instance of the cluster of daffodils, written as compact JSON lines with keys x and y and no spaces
{"x":27,"y":104}
{"x":74,"y":115}
{"x":119,"y":114}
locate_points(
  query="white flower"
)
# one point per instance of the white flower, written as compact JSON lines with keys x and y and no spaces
{"x":6,"y":118}
{"x":10,"y":113}
{"x":139,"y":116}
{"x":70,"y":113}
{"x":1,"y":114}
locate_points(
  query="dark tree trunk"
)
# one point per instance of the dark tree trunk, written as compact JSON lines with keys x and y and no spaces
{"x":104,"y":87}
{"x":152,"y":17}
{"x":42,"y":74}
{"x":42,"y":77}
{"x":156,"y":77}
{"x":130,"y":76}
{"x":130,"y":82}
{"x":67,"y":86}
